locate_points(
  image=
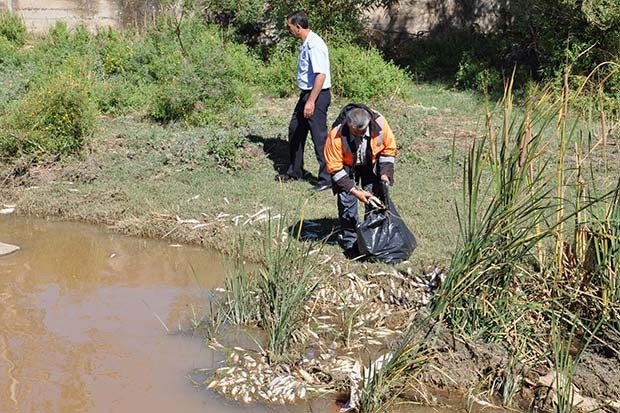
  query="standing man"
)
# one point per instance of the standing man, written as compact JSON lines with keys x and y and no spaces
{"x":360,"y":150}
{"x":310,"y":114}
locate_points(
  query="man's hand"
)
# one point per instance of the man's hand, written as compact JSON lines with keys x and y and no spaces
{"x":308,"y":109}
{"x":367,"y":198}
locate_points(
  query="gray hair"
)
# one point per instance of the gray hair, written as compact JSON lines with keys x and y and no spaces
{"x":358,"y":118}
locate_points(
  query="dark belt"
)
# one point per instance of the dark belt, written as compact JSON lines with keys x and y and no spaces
{"x":310,"y":90}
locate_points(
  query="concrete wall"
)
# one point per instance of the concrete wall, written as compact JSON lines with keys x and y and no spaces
{"x":435,"y":16}
{"x":407,"y":16}
{"x":40,"y":15}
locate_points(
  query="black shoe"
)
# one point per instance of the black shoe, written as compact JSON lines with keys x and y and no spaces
{"x":352,"y":253}
{"x":285,"y":178}
{"x":320,"y":187}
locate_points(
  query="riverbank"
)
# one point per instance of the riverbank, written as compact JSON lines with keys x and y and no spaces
{"x":171,"y":183}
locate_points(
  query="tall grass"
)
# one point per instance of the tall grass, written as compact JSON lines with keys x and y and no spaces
{"x":273,"y":293}
{"x":538,"y":226}
{"x":239,"y":303}
{"x":285,"y":283}
{"x":506,"y":199}
{"x":385,"y":379}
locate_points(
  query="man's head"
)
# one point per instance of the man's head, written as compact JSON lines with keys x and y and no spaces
{"x":297,"y":23}
{"x":358,"y":119}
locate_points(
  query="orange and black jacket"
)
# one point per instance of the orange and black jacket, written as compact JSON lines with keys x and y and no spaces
{"x":340,"y":158}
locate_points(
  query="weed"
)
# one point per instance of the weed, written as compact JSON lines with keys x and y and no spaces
{"x":56,"y":118}
{"x":12,"y":28}
{"x":285,"y":283}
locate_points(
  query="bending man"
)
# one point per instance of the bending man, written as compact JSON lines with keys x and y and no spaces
{"x":360,"y":152}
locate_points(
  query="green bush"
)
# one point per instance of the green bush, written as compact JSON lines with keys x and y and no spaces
{"x":13,"y":86}
{"x":194,"y":84}
{"x":8,"y":52}
{"x":178,"y":99}
{"x":60,"y":43}
{"x":278,"y":75}
{"x":363,"y":74}
{"x":13,"y":29}
{"x":118,"y":95}
{"x":477,"y":75}
{"x":56,"y":117}
{"x":225,"y":147}
{"x":115,"y":52}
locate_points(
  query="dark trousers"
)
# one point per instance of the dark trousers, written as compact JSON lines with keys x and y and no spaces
{"x":298,"y":133}
{"x":348,"y":215}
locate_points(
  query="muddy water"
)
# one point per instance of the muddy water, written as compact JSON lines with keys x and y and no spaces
{"x":91,"y":321}
{"x":83,"y":319}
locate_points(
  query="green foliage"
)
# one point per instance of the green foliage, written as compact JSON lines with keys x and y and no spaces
{"x":535,"y":232}
{"x":60,"y":44}
{"x":115,"y":51}
{"x":577,"y":33}
{"x":225,"y":147}
{"x":237,"y":19}
{"x":285,"y":284}
{"x":193,"y":85}
{"x":12,"y":29}
{"x":382,"y":381}
{"x":278,"y":74}
{"x":274,"y":294}
{"x":477,"y":75}
{"x":8,"y":53}
{"x":55,"y":117}
{"x":472,"y":60}
{"x":118,"y":95}
{"x":252,"y":22}
{"x":504,"y":202}
{"x":238,"y":305}
{"x":362,"y":74}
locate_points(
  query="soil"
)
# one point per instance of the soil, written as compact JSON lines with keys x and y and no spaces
{"x":473,"y":368}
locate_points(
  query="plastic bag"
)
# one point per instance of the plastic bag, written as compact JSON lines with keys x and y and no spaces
{"x":383,"y":235}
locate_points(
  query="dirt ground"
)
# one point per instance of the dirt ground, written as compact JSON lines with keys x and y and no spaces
{"x":472,"y":369}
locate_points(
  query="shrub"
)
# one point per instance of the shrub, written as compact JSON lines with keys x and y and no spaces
{"x":13,"y":29}
{"x":8,"y":52}
{"x":194,"y":84}
{"x":55,"y":117}
{"x":118,"y":95}
{"x":60,"y":44}
{"x":115,"y":52}
{"x":177,"y":99}
{"x":363,"y":74}
{"x":476,"y":74}
{"x":278,"y":75}
{"x":225,"y":147}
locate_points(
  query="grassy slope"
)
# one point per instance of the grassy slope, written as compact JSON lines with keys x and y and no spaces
{"x":139,"y":177}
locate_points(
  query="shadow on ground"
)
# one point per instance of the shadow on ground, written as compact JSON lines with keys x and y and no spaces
{"x":320,"y":230}
{"x":276,"y":151}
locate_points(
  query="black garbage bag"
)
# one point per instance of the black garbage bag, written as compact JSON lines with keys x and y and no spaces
{"x":383,"y":235}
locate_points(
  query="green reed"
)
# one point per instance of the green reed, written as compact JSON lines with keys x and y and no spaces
{"x":286,"y":282}
{"x":271,"y":294}
{"x":384,"y":383}
{"x":239,"y":304}
{"x":538,"y":225}
{"x":506,"y":200}
{"x":568,"y":348}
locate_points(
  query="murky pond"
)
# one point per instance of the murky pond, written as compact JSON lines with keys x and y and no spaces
{"x":93,"y":321}
{"x":84,"y":320}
